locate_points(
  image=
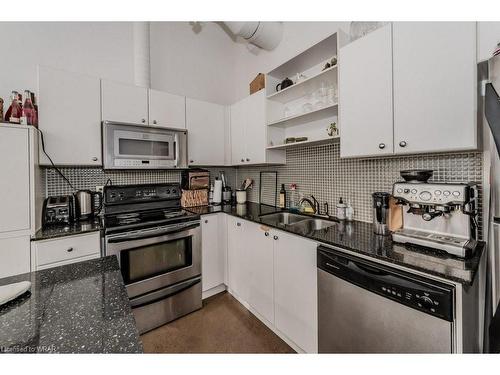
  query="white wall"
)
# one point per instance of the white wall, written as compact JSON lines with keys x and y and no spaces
{"x":102,"y":49}
{"x":199,"y":64}
{"x":297,"y":37}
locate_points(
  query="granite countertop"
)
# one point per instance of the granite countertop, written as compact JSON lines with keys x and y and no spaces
{"x":358,"y":237}
{"x":77,"y":308}
{"x":55,"y":231}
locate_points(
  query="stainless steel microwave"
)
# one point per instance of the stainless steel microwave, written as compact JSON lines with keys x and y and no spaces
{"x":128,"y":146}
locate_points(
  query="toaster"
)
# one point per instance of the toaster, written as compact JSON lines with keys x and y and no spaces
{"x":195,"y":179}
{"x":58,"y":210}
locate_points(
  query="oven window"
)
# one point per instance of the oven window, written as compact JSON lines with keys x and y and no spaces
{"x":140,"y":147}
{"x":152,"y":260}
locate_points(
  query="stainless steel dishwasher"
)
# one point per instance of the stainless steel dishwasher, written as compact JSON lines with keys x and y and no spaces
{"x":365,"y":307}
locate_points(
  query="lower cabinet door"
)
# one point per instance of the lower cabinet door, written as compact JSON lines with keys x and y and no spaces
{"x":238,"y":268}
{"x":14,"y":256}
{"x":259,"y":248}
{"x":295,"y":290}
{"x":211,"y":249}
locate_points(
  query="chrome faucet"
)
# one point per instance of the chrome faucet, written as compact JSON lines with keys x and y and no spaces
{"x":313,"y":203}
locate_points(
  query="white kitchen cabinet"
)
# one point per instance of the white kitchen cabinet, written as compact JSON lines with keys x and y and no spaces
{"x":15,"y":169}
{"x":14,"y":255}
{"x":213,"y":252}
{"x":70,"y":117}
{"x":124,"y":103}
{"x":488,"y":37}
{"x":249,"y":133}
{"x":365,"y":95}
{"x":259,"y":246}
{"x":237,"y":257}
{"x":238,"y":124}
{"x":434,"y":67}
{"x":295,"y":290}
{"x":205,"y":123}
{"x":65,"y":250}
{"x":167,"y":110}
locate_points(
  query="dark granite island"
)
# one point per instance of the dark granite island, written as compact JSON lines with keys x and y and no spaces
{"x":77,"y":308}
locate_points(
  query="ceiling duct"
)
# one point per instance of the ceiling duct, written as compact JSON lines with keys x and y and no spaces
{"x":266,"y":35}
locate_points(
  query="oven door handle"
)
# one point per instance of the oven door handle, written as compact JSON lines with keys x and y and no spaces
{"x":158,"y":295}
{"x":151,"y":233}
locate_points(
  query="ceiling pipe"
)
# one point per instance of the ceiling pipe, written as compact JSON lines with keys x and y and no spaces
{"x":142,"y":67}
{"x":266,"y":35}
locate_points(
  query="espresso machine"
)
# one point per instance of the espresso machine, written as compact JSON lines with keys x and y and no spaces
{"x":437,"y":215}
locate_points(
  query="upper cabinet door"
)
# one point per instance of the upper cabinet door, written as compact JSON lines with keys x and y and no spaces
{"x":167,"y":110}
{"x":124,"y":103}
{"x":205,"y":125}
{"x":365,"y":95}
{"x":71,"y":124}
{"x":15,"y":186}
{"x":238,"y":142}
{"x":434,"y":86}
{"x":255,"y":128}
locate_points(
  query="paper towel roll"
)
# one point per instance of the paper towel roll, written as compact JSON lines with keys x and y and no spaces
{"x":217,"y":192}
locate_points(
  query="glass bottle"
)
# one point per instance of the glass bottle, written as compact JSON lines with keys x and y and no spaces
{"x":294,"y":197}
{"x":35,"y":109}
{"x":28,"y":109}
{"x":13,"y":114}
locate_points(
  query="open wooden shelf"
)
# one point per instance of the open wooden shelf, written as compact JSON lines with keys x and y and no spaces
{"x":307,"y":86}
{"x":312,"y":142}
{"x":302,"y":118}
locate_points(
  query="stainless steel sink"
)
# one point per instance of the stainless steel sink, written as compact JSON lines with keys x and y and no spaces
{"x":311,"y":225}
{"x":283,"y":218}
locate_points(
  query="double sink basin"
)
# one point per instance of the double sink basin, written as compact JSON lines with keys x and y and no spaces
{"x":300,"y":223}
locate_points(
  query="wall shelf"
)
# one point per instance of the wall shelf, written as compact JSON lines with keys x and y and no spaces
{"x":307,"y":86}
{"x":302,"y":118}
{"x":313,"y":142}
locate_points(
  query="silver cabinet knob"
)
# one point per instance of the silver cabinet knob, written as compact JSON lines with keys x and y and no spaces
{"x":402,"y":144}
{"x":242,"y":160}
{"x":94,"y":158}
{"x":381,"y":146}
{"x":248,"y":159}
{"x":69,"y":250}
{"x":266,"y":234}
{"x":206,"y":221}
{"x":238,"y":224}
{"x":143,"y":120}
{"x":276,"y":238}
{"x":154,"y":122}
{"x":191,"y":161}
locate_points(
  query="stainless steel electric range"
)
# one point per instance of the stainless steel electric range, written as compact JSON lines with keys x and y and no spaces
{"x":158,"y":246}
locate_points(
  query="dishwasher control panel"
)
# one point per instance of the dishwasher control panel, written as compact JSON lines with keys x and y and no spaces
{"x":429,"y":296}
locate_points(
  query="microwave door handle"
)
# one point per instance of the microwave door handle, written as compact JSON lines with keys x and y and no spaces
{"x":176,"y":150}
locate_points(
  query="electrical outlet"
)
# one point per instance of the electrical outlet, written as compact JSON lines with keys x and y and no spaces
{"x":99,"y":188}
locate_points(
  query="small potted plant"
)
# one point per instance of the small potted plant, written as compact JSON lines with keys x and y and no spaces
{"x":332,"y":129}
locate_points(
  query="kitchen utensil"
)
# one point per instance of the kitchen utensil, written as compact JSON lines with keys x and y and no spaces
{"x":416,"y":175}
{"x":381,"y":213}
{"x":85,"y":203}
{"x":284,"y":84}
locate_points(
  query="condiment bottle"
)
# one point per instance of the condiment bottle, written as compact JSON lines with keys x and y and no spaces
{"x":341,"y":209}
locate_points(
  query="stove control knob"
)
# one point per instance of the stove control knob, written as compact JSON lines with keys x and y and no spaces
{"x":446,"y":193}
{"x":414,"y":191}
{"x":407,"y":191}
{"x":168,"y":191}
{"x":437,"y":192}
{"x":456,"y":193}
{"x":425,"y":196}
{"x":174,"y":191}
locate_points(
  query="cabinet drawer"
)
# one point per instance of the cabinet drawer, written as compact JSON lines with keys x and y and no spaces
{"x":67,"y":248}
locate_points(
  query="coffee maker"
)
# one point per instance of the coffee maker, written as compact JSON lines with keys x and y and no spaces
{"x":441,"y":216}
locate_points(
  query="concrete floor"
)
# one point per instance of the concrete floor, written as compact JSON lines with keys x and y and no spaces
{"x":223,"y":325}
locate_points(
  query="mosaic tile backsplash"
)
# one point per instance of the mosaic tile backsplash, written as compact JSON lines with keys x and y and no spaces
{"x":317,"y":170}
{"x":320,"y":171}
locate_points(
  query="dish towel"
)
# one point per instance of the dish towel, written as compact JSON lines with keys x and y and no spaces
{"x":12,"y":291}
